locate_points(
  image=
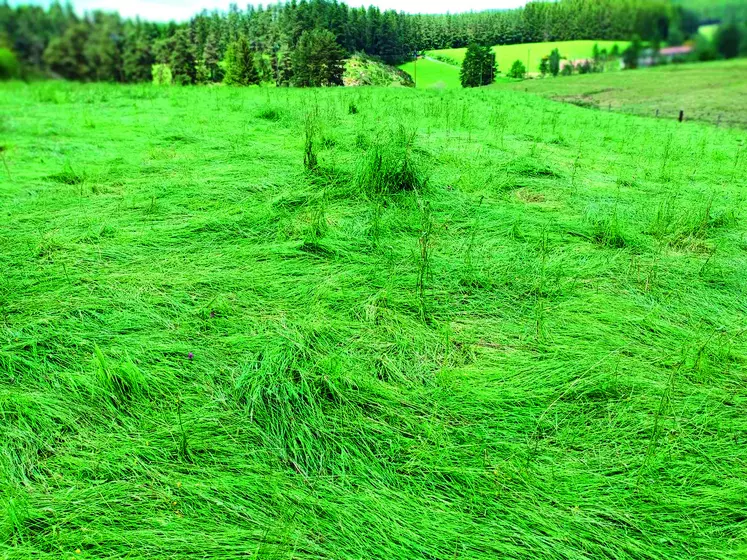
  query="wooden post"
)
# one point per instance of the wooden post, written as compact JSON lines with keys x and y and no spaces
{"x":657,"y":113}
{"x":682,"y":115}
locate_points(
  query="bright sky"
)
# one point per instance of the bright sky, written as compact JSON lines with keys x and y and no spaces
{"x":165,"y":10}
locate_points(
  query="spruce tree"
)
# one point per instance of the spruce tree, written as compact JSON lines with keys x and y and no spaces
{"x":478,"y":67}
{"x":318,"y":60}
{"x":554,"y":62}
{"x":183,"y":64}
{"x":211,"y":58}
{"x":239,"y":63}
{"x":137,"y":58}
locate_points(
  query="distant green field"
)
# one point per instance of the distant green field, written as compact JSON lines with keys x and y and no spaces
{"x":436,"y":74}
{"x":431,"y":73}
{"x":706,"y":91}
{"x":531,"y":53}
{"x":708,"y":31}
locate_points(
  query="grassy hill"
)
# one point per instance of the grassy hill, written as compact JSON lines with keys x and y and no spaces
{"x":361,"y":70}
{"x":713,"y":91}
{"x":484,"y":325}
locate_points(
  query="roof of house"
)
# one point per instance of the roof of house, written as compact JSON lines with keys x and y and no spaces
{"x":684,"y":49}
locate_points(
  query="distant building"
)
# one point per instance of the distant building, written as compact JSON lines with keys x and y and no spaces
{"x":649,"y":57}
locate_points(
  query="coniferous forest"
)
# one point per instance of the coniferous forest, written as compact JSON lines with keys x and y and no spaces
{"x":105,"y":47}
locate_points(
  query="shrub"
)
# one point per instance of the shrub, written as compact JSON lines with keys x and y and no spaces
{"x":445,"y":59}
{"x":518,"y":70}
{"x":544,"y":66}
{"x":9,"y":67}
{"x":728,"y":39}
{"x":161,"y":74}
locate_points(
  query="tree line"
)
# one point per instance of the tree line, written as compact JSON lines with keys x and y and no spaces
{"x":105,"y":47}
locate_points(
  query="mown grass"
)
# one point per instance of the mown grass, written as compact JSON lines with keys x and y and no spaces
{"x":525,"y":339}
{"x":715,"y":92}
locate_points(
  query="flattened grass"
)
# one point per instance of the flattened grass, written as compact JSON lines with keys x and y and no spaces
{"x":205,"y":353}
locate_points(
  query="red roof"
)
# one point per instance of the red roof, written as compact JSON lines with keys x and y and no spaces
{"x":670,"y":51}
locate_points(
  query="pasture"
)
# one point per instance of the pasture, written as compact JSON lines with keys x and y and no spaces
{"x":368,"y":323}
{"x":714,"y":92}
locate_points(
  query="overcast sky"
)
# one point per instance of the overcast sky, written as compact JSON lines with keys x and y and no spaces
{"x":165,"y":10}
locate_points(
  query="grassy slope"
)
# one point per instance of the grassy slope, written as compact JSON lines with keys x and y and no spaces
{"x":704,"y":91}
{"x":533,"y":52}
{"x":433,"y":74}
{"x":580,"y":390}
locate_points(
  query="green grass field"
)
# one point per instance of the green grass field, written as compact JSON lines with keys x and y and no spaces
{"x":485,"y":325}
{"x":531,"y":53}
{"x":715,"y":92}
{"x":433,"y":74}
{"x":439,"y":75}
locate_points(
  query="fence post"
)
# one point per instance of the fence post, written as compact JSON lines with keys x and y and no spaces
{"x":682,"y":115}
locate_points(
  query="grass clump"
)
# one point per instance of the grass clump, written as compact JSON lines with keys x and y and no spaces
{"x":269,"y":113}
{"x":687,"y":225}
{"x":390,"y":165}
{"x":67,"y":176}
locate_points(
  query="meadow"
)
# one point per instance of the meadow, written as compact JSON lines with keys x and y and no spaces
{"x":714,"y":92}
{"x":278,"y":323}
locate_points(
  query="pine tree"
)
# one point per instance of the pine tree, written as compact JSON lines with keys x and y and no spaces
{"x":554,"y":62}
{"x":284,"y":67}
{"x":137,"y":58}
{"x":239,"y":63}
{"x":183,"y":64}
{"x":479,"y":67}
{"x":318,"y":60}
{"x":210,"y":57}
